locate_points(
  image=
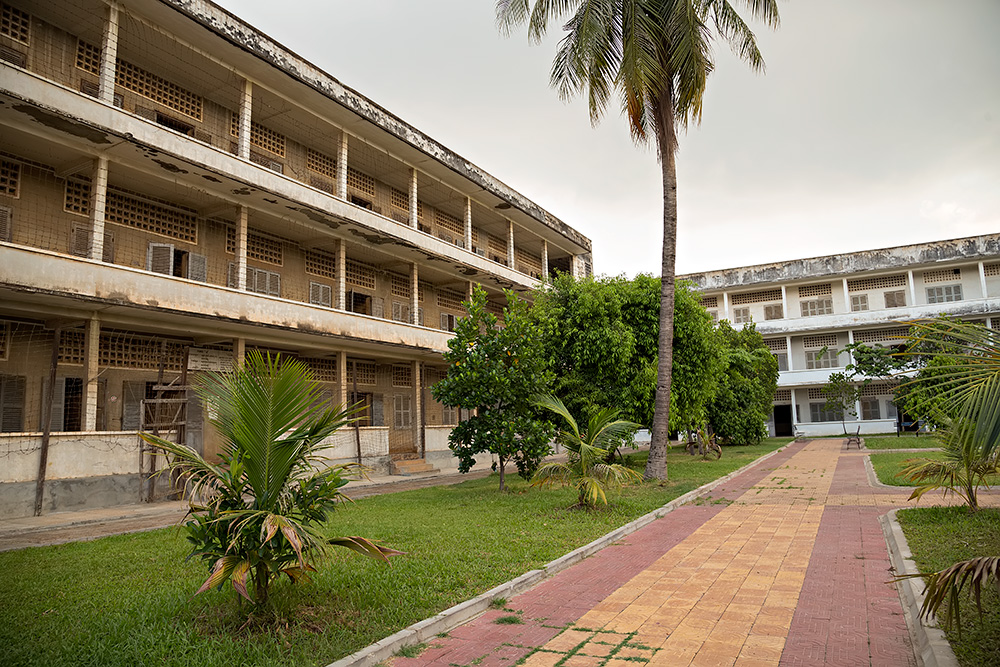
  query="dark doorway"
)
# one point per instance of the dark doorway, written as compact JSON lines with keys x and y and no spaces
{"x":783,"y":421}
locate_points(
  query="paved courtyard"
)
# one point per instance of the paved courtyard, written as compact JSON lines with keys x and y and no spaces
{"x":785,"y":564}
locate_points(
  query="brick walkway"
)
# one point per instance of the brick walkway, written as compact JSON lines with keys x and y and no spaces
{"x":785,"y":565}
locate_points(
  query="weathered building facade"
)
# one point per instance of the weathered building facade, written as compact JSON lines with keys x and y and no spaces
{"x":176,"y":189}
{"x":809,"y":310}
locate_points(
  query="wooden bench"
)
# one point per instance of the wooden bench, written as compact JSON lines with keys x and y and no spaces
{"x":854,"y":439}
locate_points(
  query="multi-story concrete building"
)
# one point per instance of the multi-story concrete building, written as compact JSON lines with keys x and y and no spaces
{"x":809,"y":310}
{"x":175,"y":189}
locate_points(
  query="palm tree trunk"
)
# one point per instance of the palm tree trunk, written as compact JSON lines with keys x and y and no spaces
{"x":666,"y":141}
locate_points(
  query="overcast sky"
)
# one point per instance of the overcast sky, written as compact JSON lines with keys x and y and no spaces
{"x":877,"y":123}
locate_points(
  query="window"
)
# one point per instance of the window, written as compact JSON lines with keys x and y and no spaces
{"x":715,"y":315}
{"x":825,"y":358}
{"x":782,"y":358}
{"x":321,"y":294}
{"x":448,"y":321}
{"x":402,"y":411}
{"x":859,"y":302}
{"x":363,"y":203}
{"x":364,"y":414}
{"x":774,"y":312}
{"x":359,"y":302}
{"x":890,"y":410}
{"x":400,"y":312}
{"x":170,"y":261}
{"x":944,"y":294}
{"x":817,"y":307}
{"x":12,"y":403}
{"x":449,"y":415}
{"x":741,"y":315}
{"x":896,"y":299}
{"x":79,"y":244}
{"x":870,"y":408}
{"x":818,"y":413}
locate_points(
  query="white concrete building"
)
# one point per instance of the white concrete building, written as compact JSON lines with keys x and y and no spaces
{"x":175,"y":189}
{"x":808,"y":310}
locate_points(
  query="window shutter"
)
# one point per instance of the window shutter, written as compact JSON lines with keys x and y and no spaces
{"x":378,"y":412}
{"x":12,"y":403}
{"x":58,"y":401}
{"x":231,"y":275}
{"x":6,"y":215}
{"x":79,"y":241}
{"x":378,"y":306}
{"x":132,"y":395}
{"x":108,"y":254}
{"x":444,"y":321}
{"x":320,"y":294}
{"x":420,"y":316}
{"x":273,"y":284}
{"x":260,"y":280}
{"x":197,"y":267}
{"x":160,"y":258}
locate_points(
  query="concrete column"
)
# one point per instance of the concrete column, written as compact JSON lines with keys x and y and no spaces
{"x":342,"y":169}
{"x":913,"y":288}
{"x":468,"y":223}
{"x":109,"y":56}
{"x":239,"y":351}
{"x":341,"y":300}
{"x":725,"y":310}
{"x":342,"y":377}
{"x":510,"y":244}
{"x":788,"y":351}
{"x":545,"y":259}
{"x":91,"y":353}
{"x":417,"y":421}
{"x":784,"y":301}
{"x":98,"y":201}
{"x":414,"y":294}
{"x":795,"y":409}
{"x":469,"y":288}
{"x":414,"y":206}
{"x":242,"y":219}
{"x":246,"y":115}
{"x":982,"y":279}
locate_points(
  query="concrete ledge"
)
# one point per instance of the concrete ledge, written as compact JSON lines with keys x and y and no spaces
{"x":929,"y":643}
{"x":466,"y":611}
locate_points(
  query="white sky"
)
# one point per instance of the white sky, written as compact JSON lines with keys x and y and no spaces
{"x":876,"y":124}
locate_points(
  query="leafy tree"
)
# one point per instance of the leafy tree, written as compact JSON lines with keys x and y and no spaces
{"x":655,"y":56}
{"x":495,"y":370}
{"x":744,"y":397}
{"x":586,"y":467}
{"x":698,"y":361}
{"x":842,"y":396}
{"x":258,"y":511}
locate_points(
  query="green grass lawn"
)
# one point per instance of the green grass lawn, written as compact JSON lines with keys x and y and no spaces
{"x":940,"y":536}
{"x":128,"y":600}
{"x":907,"y":441}
{"x":887,"y":464}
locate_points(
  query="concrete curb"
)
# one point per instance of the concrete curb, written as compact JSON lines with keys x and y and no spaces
{"x":466,"y":611}
{"x":929,"y":643}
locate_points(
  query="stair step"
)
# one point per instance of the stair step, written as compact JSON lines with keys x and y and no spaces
{"x":412,"y":467}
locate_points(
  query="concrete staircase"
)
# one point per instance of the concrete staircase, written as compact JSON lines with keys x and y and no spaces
{"x":411,"y":466}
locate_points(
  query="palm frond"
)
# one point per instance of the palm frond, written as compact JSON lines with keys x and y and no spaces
{"x":947,"y":584}
{"x":365,"y":547}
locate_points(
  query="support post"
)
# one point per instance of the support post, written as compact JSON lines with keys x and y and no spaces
{"x":341,"y":268}
{"x":342,"y":377}
{"x":982,"y":280}
{"x":109,"y":56}
{"x":414,"y":202}
{"x":342,"y":167}
{"x":545,"y":259}
{"x":510,"y":244}
{"x":242,"y":223}
{"x":91,"y":353}
{"x":468,"y":224}
{"x":43,"y":454}
{"x":239,"y":351}
{"x":246,"y":115}
{"x":418,"y":422}
{"x":98,"y":202}
{"x":913,"y":288}
{"x":415,"y":294}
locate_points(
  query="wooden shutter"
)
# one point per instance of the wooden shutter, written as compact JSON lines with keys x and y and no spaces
{"x":146,"y":112}
{"x":231,"y":276}
{"x":108,"y":254}
{"x":420,"y":316}
{"x":79,"y":241}
{"x":197,"y":267}
{"x":378,"y":306}
{"x":273,"y":284}
{"x":132,"y":395}
{"x":320,"y":294}
{"x":259,"y":280}
{"x":160,"y":258}
{"x":6,"y":216}
{"x":378,"y":412}
{"x":58,"y":403}
{"x":12,"y":403}
{"x":444,"y":321}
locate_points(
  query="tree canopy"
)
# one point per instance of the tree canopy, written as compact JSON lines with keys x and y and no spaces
{"x":745,"y":394}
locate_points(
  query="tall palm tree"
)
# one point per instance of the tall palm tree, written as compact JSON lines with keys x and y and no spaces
{"x":655,"y":55}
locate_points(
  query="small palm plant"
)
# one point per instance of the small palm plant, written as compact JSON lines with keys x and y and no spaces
{"x":586,"y":468}
{"x":963,"y":470}
{"x":257,"y":513}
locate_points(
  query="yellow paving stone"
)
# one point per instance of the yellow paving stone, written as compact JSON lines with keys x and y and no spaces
{"x":583,"y":661}
{"x":593,"y":648}
{"x":568,"y":640}
{"x":615,"y":662}
{"x":543,"y":659}
{"x":596,"y":619}
{"x":633,"y":652}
